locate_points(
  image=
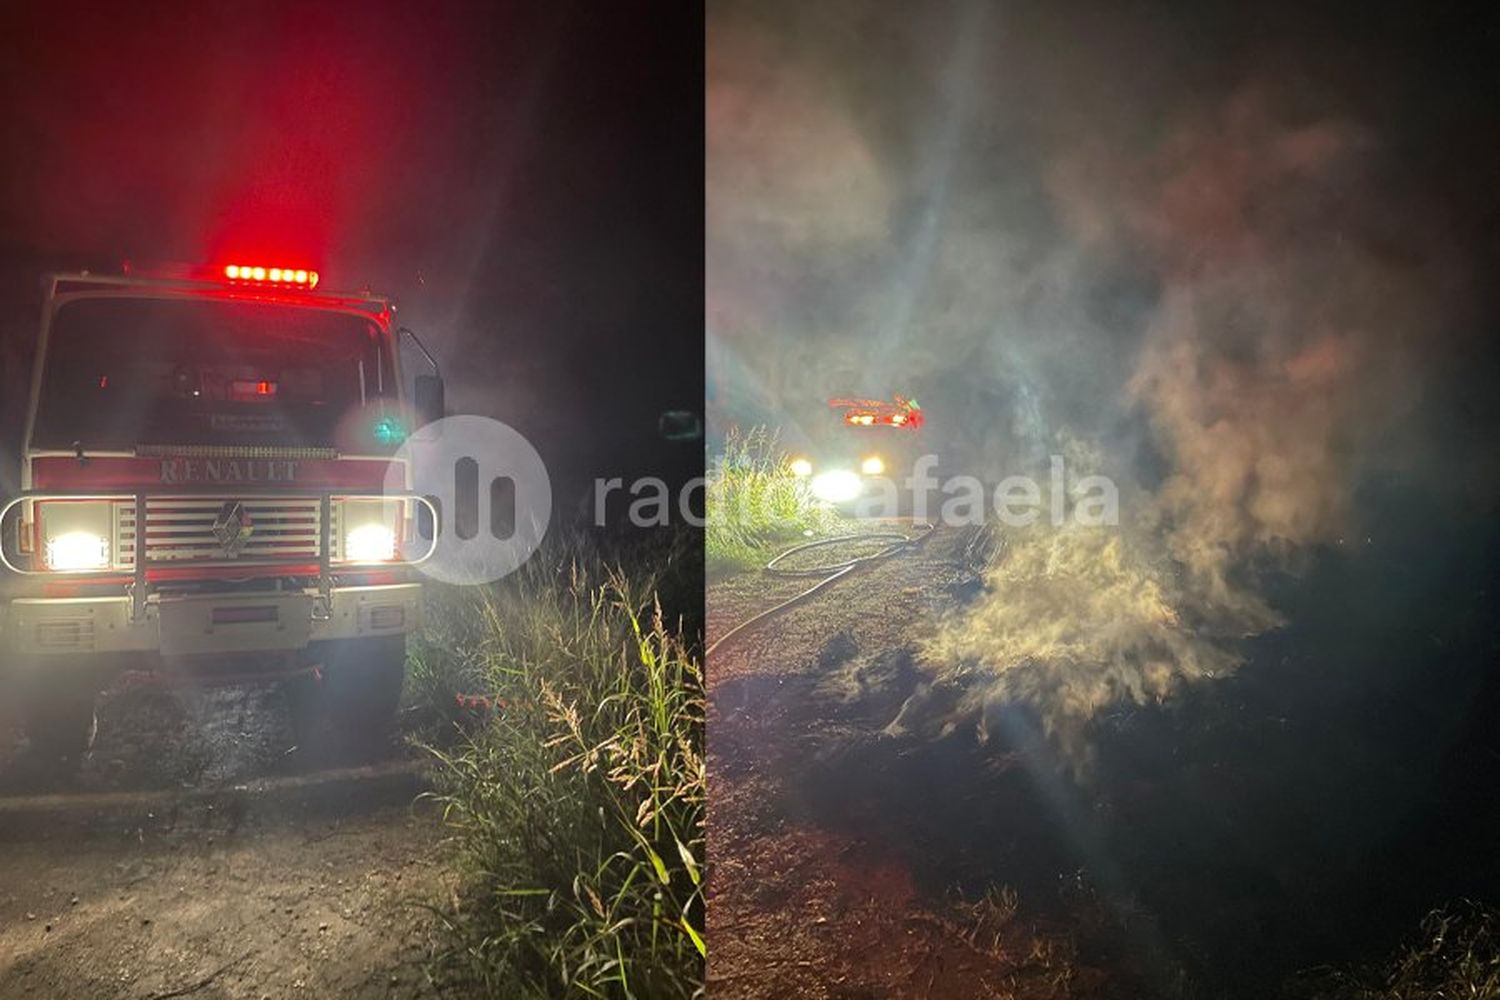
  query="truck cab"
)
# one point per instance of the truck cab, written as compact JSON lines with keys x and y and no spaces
{"x":205,"y":491}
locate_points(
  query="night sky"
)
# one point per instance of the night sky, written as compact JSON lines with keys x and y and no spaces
{"x":525,"y":180}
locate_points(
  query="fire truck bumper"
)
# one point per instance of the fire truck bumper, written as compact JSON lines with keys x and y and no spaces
{"x":272,"y":621}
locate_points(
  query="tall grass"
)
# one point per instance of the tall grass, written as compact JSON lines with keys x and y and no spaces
{"x":578,"y":800}
{"x":754,"y":502}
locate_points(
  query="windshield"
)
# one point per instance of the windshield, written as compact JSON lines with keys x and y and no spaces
{"x":122,"y":372}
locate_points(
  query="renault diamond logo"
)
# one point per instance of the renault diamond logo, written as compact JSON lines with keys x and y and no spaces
{"x":233,"y":527}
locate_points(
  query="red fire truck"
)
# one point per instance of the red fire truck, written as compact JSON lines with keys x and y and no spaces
{"x":840,"y":461}
{"x":203,"y":475}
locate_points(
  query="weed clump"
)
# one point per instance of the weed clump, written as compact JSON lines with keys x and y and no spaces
{"x":755,"y":502}
{"x":576,"y":793}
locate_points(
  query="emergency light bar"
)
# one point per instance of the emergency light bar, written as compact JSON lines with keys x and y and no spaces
{"x":902,"y":412}
{"x":271,"y":275}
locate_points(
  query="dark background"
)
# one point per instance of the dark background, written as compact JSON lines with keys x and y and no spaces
{"x":525,"y":179}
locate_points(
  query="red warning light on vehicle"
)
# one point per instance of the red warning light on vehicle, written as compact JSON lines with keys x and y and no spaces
{"x":271,"y":275}
{"x":902,"y":412}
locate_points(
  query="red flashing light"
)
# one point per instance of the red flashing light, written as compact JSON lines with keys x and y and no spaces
{"x":901,"y":412}
{"x":271,"y":275}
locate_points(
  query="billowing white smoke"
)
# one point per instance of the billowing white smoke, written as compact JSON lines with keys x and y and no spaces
{"x":1272,"y":360}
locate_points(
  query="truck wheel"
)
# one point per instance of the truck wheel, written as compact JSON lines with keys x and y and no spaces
{"x":362,"y":681}
{"x":60,"y":721}
{"x":351,"y":704}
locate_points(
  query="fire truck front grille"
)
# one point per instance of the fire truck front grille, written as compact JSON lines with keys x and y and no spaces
{"x":181,"y":530}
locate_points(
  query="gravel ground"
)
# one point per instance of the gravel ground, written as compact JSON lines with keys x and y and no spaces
{"x":287,"y":904}
{"x":326,"y":911}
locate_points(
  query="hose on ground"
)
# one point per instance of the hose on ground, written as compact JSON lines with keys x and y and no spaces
{"x":899,"y":542}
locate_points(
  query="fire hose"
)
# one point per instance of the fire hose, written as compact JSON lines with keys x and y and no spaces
{"x":830,"y":572}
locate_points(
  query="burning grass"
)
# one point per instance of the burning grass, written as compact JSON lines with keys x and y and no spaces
{"x":576,"y":792}
{"x":755,"y":502}
{"x":1072,"y":620}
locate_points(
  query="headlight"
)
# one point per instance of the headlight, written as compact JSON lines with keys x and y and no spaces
{"x":839,"y":486}
{"x":77,"y":550}
{"x":801,"y":468}
{"x":872,"y":466}
{"x":369,"y":528}
{"x":76,"y":534}
{"x":370,"y":543}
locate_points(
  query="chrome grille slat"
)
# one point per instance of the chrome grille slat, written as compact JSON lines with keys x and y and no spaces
{"x":194,"y":530}
{"x":180,"y":529}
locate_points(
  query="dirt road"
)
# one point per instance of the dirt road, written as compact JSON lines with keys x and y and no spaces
{"x":192,"y":853}
{"x":323,"y":910}
{"x":810,"y":894}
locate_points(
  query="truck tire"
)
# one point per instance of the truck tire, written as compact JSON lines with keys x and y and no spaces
{"x":362,"y":681}
{"x":59,"y":720}
{"x":356,"y":693}
{"x":349,"y":705}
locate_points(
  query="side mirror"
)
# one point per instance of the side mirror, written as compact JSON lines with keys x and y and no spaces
{"x":429,"y":402}
{"x":427,"y":394}
{"x":679,"y":425}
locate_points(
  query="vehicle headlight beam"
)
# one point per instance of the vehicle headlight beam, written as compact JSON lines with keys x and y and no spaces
{"x":837,"y":486}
